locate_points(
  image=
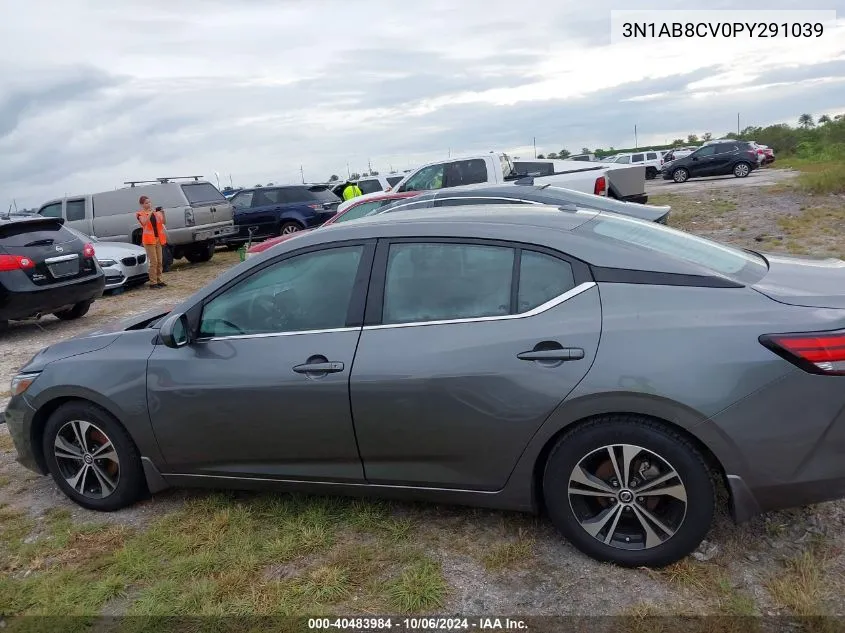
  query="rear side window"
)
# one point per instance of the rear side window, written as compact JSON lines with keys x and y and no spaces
{"x":465,"y":172}
{"x":394,"y":180}
{"x":542,"y":278}
{"x":202,"y":193}
{"x":266,"y":197}
{"x":637,"y":158}
{"x":51,"y":210}
{"x":75,"y":210}
{"x":21,"y":234}
{"x":651,"y":156}
{"x":434,"y":282}
{"x":369,"y":186}
{"x":534,"y":169}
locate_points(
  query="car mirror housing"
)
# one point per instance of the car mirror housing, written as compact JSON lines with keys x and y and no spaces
{"x":174,"y":331}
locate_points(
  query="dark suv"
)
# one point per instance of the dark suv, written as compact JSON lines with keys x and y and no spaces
{"x":719,"y":159}
{"x":44,"y":269}
{"x":271,"y":211}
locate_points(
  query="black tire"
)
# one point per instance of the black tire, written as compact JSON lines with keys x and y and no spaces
{"x":680,"y":175}
{"x":586,"y":442}
{"x":200,"y":253}
{"x":166,"y":258}
{"x":741,"y":170}
{"x":4,"y":325}
{"x":289,"y":227}
{"x":650,"y":173}
{"x":76,"y":312}
{"x":130,"y":483}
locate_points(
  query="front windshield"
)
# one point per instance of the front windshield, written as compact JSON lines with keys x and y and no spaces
{"x":720,"y":258}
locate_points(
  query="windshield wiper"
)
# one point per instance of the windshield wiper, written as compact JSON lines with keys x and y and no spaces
{"x":45,"y":242}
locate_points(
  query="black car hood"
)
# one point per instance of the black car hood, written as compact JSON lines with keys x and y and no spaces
{"x":91,"y":341}
{"x":804,"y":281}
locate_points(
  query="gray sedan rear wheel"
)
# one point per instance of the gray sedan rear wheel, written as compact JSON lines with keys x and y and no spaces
{"x":629,"y":491}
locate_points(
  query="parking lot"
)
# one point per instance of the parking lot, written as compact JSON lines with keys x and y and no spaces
{"x":489,"y":562}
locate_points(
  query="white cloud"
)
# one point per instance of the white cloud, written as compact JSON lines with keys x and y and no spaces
{"x":95,"y":96}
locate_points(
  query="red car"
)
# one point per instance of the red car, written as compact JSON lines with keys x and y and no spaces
{"x":352,"y":212}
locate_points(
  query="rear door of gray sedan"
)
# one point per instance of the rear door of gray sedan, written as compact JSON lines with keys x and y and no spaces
{"x":468,"y":346}
{"x":264,"y":391}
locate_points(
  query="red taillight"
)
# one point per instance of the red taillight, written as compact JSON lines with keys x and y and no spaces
{"x":815,"y":352}
{"x":600,"y":188}
{"x":15,"y":262}
{"x":88,"y":251}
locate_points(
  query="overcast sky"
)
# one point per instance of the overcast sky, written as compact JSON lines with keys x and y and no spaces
{"x":96,"y":93}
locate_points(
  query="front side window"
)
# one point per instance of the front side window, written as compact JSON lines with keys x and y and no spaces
{"x":243,"y":200}
{"x":394,"y":180}
{"x":623,"y":159}
{"x":707,"y":150}
{"x":51,"y":210}
{"x":311,"y":291}
{"x":433,"y":282}
{"x":75,"y":210}
{"x":358,"y":211}
{"x":426,"y":179}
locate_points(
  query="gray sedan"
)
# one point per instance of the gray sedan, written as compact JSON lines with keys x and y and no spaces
{"x":603,"y":368}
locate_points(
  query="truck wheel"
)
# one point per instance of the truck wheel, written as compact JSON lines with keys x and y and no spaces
{"x":166,"y":259}
{"x":77,"y":311}
{"x":202,"y":252}
{"x":650,"y":173}
{"x":289,"y":227}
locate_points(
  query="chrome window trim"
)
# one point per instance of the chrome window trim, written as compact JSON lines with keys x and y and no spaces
{"x":543,"y":307}
{"x":275,"y":334}
{"x":61,"y":258}
{"x":515,"y":199}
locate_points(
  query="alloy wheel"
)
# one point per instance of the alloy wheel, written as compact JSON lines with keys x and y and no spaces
{"x":289,"y":228}
{"x":87,"y":459}
{"x":680,"y":175}
{"x":741,"y":170}
{"x":627,"y":497}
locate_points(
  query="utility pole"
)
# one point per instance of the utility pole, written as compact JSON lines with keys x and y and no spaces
{"x":636,"y":140}
{"x":348,"y":173}
{"x":230,"y":181}
{"x":369,"y":166}
{"x":450,"y":153}
{"x":302,"y":174}
{"x":737,"y":123}
{"x":535,"y":147}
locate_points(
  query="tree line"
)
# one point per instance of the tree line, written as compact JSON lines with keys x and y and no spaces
{"x":823,"y":138}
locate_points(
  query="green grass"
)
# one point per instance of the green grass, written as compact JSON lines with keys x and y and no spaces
{"x":817,"y":176}
{"x":222,"y":554}
{"x":710,"y":581}
{"x":509,"y":555}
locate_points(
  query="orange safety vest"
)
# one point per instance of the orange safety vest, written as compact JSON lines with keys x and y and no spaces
{"x":149,"y":236}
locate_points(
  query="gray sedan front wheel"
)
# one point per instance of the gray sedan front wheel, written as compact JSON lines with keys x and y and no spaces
{"x":629,"y":491}
{"x":92,"y":458}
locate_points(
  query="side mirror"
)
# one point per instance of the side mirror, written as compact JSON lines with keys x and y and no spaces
{"x":174,"y":331}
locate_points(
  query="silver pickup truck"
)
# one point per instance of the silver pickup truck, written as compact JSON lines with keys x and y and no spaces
{"x":196,"y":215}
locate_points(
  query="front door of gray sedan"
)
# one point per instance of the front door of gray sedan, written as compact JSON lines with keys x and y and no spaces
{"x":467,"y":348}
{"x":264,"y":390}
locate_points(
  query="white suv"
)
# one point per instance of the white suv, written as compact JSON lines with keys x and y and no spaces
{"x":651,"y":160}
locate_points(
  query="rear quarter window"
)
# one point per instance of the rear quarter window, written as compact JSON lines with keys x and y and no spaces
{"x":369,"y":186}
{"x":202,"y":193}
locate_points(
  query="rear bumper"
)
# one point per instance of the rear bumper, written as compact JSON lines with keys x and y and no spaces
{"x":23,"y":303}
{"x":640,"y":198}
{"x":200,"y":233}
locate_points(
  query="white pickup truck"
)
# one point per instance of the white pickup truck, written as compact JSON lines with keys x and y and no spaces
{"x":623,"y":182}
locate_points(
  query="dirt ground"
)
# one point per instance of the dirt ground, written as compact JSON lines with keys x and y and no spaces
{"x":788,"y":563}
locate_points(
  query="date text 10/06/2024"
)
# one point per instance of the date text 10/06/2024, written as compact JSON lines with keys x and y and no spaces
{"x":417,"y":624}
{"x":637,"y":30}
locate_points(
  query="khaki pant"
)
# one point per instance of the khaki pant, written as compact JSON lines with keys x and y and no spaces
{"x":155,"y":258}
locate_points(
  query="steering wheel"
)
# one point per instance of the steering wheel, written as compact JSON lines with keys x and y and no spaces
{"x":237,"y":329}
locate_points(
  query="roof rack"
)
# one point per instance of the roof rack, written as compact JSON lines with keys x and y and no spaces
{"x":166,"y":179}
